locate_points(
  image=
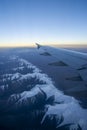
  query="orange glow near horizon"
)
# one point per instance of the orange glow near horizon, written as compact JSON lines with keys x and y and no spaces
{"x":31,"y":44}
{"x":16,"y":44}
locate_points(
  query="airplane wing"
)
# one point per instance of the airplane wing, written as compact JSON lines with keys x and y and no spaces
{"x":76,"y":60}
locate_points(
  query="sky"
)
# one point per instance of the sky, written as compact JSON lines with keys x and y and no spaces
{"x":23,"y":22}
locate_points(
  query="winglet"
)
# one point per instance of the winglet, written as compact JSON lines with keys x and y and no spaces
{"x":38,"y":45}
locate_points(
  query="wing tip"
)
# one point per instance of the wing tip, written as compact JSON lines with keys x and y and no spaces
{"x":38,"y":45}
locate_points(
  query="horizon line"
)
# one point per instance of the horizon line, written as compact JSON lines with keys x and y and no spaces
{"x":33,"y":45}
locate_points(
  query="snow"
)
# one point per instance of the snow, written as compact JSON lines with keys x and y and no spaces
{"x":18,"y":68}
{"x":72,"y":113}
{"x":16,"y":76}
{"x":2,"y":87}
{"x":29,"y":65}
{"x":27,"y":94}
{"x":13,"y":57}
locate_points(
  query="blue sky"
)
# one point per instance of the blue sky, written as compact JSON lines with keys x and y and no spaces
{"x":23,"y":22}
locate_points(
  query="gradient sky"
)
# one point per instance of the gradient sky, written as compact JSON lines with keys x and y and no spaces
{"x":23,"y":22}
